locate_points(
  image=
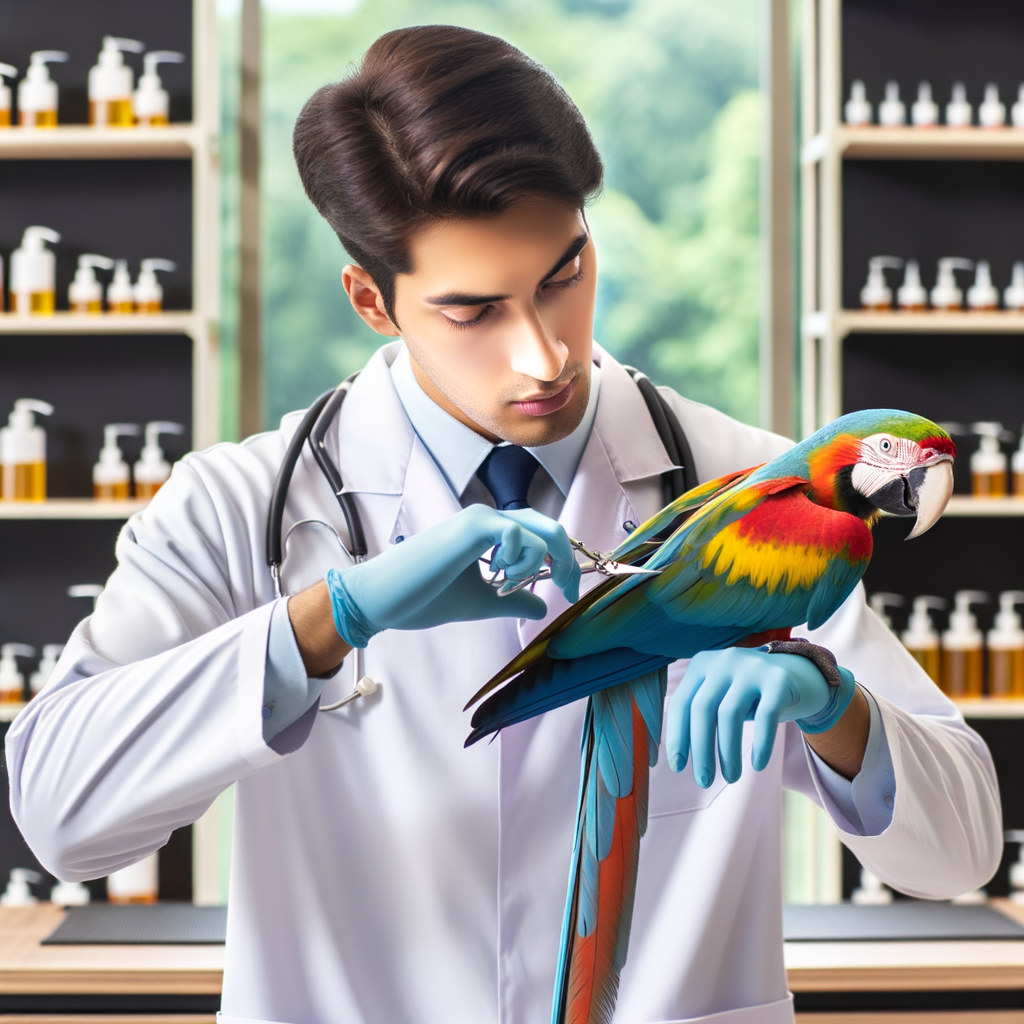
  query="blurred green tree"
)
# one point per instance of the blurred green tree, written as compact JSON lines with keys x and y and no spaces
{"x":668,"y":88}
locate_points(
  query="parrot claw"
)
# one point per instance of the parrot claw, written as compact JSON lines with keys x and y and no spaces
{"x":597,"y":562}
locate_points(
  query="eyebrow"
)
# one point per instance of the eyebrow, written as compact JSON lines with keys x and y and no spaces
{"x":467,"y":299}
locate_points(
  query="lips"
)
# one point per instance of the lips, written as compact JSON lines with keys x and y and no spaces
{"x":549,"y":404}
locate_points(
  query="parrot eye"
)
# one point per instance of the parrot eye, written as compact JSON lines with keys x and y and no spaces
{"x":885,"y":444}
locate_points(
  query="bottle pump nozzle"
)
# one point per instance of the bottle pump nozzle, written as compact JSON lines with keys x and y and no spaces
{"x":111,"y":450}
{"x":1013,"y":297}
{"x":876,"y":294}
{"x":92,"y":590}
{"x":7,"y":71}
{"x":982,"y":294}
{"x":891,"y":111}
{"x":155,"y":57}
{"x":17,"y":893}
{"x":148,"y":266}
{"x":992,"y":113}
{"x":149,"y":293}
{"x":882,"y":600}
{"x":961,"y":619}
{"x":152,"y":447}
{"x":34,"y":237}
{"x":110,"y":55}
{"x":8,"y":652}
{"x":958,"y":110}
{"x":858,"y":110}
{"x":37,"y":69}
{"x":22,"y":418}
{"x":925,"y":112}
{"x":947,"y":294}
{"x":1007,"y":619}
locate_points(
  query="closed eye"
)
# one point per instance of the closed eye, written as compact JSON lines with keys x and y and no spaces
{"x":461,"y":325}
{"x":565,"y":282}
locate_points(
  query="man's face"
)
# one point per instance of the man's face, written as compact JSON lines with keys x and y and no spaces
{"x":498,"y":317}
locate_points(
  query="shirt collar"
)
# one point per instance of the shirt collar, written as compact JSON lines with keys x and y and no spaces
{"x":459,"y":451}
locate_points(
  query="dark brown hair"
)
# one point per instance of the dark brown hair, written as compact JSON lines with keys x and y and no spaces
{"x":438,"y":122}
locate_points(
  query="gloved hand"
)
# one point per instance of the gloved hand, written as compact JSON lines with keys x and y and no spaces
{"x":723,"y":689}
{"x":434,"y":578}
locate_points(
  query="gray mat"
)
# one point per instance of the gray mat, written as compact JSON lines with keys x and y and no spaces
{"x":158,"y":924}
{"x":900,"y":921}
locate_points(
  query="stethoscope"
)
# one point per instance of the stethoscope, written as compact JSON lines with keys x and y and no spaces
{"x":313,"y":428}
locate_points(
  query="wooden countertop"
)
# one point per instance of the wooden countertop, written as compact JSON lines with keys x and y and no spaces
{"x":908,"y":966}
{"x":27,"y":967}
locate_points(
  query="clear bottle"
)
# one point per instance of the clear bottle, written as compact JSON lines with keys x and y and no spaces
{"x":988,"y":463}
{"x":857,"y":109}
{"x":137,"y":883}
{"x":921,"y":638}
{"x":23,"y":453}
{"x":110,"y":474}
{"x":992,"y":113}
{"x":925,"y":112}
{"x":912,"y":296}
{"x":982,"y":295}
{"x":1017,"y":111}
{"x":148,"y":293}
{"x":881,"y":600}
{"x":111,"y":84}
{"x":34,"y":273}
{"x":150,"y":103}
{"x":1006,"y":648}
{"x":963,"y":648}
{"x":1013,"y":297}
{"x":876,"y":293}
{"x":958,"y":111}
{"x":120,"y":294}
{"x":48,"y":662}
{"x":37,"y":92}
{"x":1017,"y":469}
{"x":947,"y":294}
{"x":152,"y":470}
{"x":12,"y":682}
{"x":892,"y":113}
{"x":85,"y":293}
{"x":6,"y":71}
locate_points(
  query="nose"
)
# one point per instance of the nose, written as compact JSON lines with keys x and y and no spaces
{"x":537,"y":352}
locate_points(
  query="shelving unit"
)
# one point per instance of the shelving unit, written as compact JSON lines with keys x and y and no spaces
{"x":125,"y":193}
{"x":919,"y":194}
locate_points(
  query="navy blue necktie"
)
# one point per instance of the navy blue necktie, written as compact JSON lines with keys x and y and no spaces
{"x":507,"y":473}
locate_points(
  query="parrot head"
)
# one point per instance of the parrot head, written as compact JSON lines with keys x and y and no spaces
{"x":882,"y":460}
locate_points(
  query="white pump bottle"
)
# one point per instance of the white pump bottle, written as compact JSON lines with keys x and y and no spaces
{"x":23,"y":452}
{"x":111,"y":84}
{"x":110,"y":474}
{"x":857,"y":110}
{"x":892,"y":113}
{"x":34,"y":273}
{"x":150,"y":103}
{"x":988,"y":463}
{"x":921,"y":638}
{"x":982,"y":295}
{"x":17,"y":893}
{"x":148,"y":292}
{"x":963,"y":666}
{"x":85,"y":293}
{"x":912,"y":295}
{"x":12,"y":682}
{"x":120,"y":294}
{"x":992,"y":113}
{"x":876,"y":293}
{"x":1006,"y":648}
{"x":881,"y":600}
{"x":152,"y":469}
{"x":37,"y":92}
{"x":48,"y":662}
{"x":958,"y":111}
{"x":925,"y":111}
{"x":6,"y":71}
{"x":947,"y":294}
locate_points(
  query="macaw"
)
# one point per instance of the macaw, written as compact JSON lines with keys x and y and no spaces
{"x":759,"y":552}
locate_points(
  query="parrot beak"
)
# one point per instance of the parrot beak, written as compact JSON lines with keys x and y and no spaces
{"x":924,"y":492}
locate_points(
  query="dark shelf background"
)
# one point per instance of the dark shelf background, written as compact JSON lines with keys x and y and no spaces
{"x":940,"y":41}
{"x":95,"y":380}
{"x":927,"y":209}
{"x":124,"y":209}
{"x":78,"y":28}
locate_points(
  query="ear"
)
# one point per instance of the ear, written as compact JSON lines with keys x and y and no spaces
{"x":367,"y":300}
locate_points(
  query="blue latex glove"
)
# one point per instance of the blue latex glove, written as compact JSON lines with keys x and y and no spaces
{"x":723,"y":689}
{"x":434,"y":577}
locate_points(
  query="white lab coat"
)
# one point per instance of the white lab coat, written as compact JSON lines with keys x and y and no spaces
{"x":381,"y":873}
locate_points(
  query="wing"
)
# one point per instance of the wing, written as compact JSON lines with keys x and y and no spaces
{"x":620,"y":744}
{"x":756,"y":560}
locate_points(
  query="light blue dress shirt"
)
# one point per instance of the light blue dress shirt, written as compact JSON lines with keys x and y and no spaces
{"x":458,"y":451}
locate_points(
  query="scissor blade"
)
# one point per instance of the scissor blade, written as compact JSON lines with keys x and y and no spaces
{"x":618,"y":569}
